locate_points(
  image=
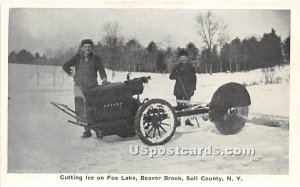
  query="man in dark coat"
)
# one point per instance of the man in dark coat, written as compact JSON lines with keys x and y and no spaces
{"x":86,"y":66}
{"x":185,"y":75}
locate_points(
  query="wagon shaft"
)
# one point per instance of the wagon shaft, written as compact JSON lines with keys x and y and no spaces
{"x":198,"y":111}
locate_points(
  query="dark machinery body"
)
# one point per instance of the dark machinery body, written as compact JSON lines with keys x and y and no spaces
{"x":114,"y":107}
{"x":117,"y":110}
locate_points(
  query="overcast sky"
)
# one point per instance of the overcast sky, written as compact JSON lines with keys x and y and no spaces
{"x":41,"y":29}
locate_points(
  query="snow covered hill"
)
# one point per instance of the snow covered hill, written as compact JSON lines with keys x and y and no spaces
{"x":41,"y":140}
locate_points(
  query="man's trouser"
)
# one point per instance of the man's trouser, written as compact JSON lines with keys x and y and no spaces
{"x":84,"y":112}
{"x":181,"y":105}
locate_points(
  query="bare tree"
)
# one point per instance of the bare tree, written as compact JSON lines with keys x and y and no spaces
{"x":112,"y":28}
{"x":55,"y":60}
{"x":235,"y":53}
{"x":54,"y":67}
{"x":63,"y":74}
{"x":165,"y":43}
{"x":37,"y":72}
{"x":50,"y":54}
{"x":112,"y":39}
{"x":269,"y":73}
{"x":68,"y":54}
{"x":222,"y":40}
{"x":134,"y":47}
{"x":37,"y":62}
{"x":209,"y":27}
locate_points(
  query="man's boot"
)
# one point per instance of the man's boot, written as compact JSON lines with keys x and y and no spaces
{"x":188,"y":123}
{"x":177,"y":122}
{"x":87,"y":133}
{"x":99,"y":134}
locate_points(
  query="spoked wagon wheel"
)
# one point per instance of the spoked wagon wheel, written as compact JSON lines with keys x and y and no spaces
{"x":155,"y":122}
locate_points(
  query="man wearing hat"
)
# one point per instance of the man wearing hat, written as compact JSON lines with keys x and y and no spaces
{"x":185,"y":75}
{"x":86,"y":66}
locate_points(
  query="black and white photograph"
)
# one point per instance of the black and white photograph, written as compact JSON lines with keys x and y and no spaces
{"x":160,"y":93}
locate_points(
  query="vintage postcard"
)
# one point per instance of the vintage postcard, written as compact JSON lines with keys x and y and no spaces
{"x":134,"y":93}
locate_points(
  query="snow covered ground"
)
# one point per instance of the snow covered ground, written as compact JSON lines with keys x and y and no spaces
{"x":41,"y":141}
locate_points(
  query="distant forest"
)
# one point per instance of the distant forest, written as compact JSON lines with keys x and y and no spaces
{"x":238,"y":55}
{"x":219,"y":54}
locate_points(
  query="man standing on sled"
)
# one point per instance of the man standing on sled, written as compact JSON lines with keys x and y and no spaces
{"x":86,"y":66}
{"x":185,"y":75}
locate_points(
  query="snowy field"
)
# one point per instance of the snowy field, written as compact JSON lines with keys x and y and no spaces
{"x":40,"y":140}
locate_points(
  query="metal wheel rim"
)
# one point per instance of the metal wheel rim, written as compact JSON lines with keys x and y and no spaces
{"x":153,"y":134}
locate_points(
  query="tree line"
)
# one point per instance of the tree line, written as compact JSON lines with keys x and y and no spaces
{"x":219,"y":54}
{"x":238,"y":55}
